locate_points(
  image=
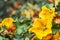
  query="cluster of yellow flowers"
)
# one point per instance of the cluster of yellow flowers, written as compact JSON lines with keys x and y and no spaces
{"x":42,"y":25}
{"x":7,"y":22}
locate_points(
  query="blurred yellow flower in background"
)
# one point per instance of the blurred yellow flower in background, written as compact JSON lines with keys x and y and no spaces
{"x":47,"y":13}
{"x":30,"y":5}
{"x":28,"y":13}
{"x":40,"y":28}
{"x":7,"y":21}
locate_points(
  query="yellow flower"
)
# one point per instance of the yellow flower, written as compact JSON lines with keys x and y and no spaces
{"x":7,"y":21}
{"x":30,"y":5}
{"x":40,"y":28}
{"x":28,"y":13}
{"x":47,"y":13}
{"x":0,"y":25}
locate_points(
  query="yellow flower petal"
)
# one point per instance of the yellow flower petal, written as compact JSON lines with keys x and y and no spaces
{"x":47,"y":13}
{"x":41,"y":28}
{"x":7,"y":21}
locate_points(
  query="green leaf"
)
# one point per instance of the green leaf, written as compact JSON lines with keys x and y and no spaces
{"x":17,"y":39}
{"x":35,"y":7}
{"x":49,"y":5}
{"x":58,"y":7}
{"x":55,"y":28}
{"x":19,"y":31}
{"x":36,"y":39}
{"x":3,"y":27}
{"x":1,"y":13}
{"x":29,"y":35}
{"x":1,"y":38}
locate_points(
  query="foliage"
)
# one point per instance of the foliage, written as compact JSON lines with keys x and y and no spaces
{"x":24,"y":13}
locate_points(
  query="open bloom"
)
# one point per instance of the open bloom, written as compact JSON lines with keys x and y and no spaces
{"x":41,"y":28}
{"x":47,"y":13}
{"x":7,"y":21}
